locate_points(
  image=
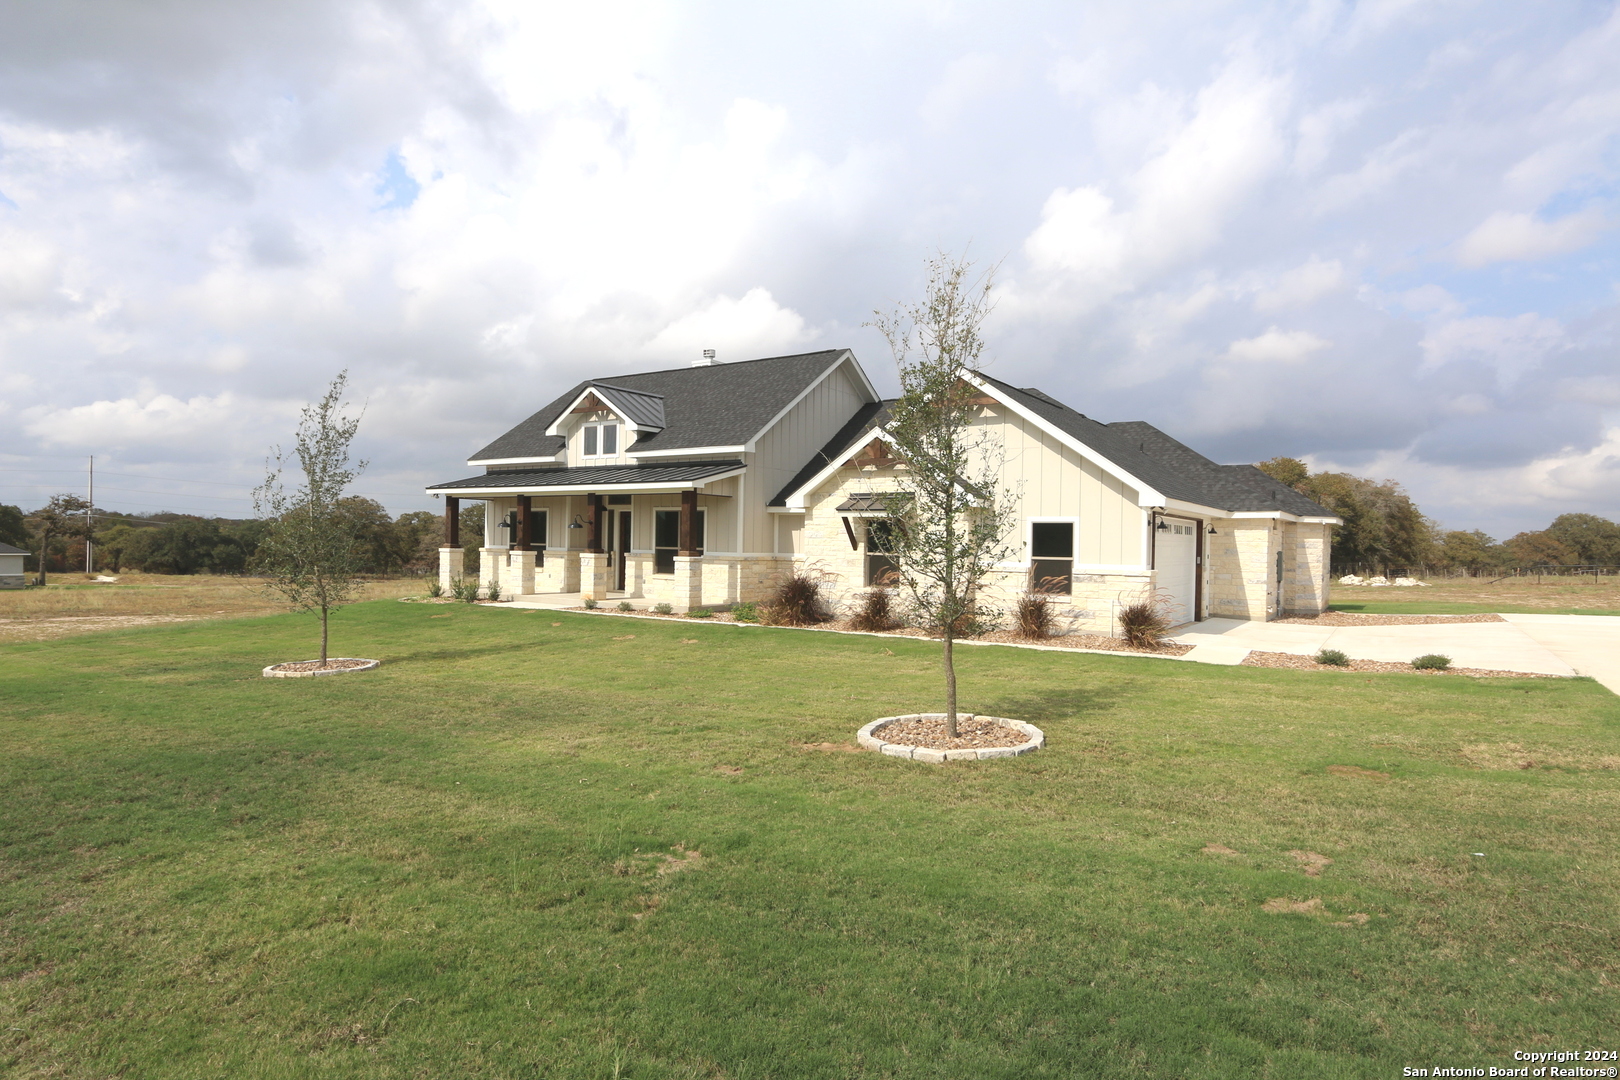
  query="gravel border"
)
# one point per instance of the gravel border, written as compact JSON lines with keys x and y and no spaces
{"x":1380,"y":667}
{"x":351,"y":664}
{"x":868,"y":738}
{"x":1356,"y":618}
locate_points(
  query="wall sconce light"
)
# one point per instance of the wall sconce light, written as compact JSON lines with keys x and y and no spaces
{"x":577,"y":523}
{"x":1212,"y":530}
{"x":1162,"y":526}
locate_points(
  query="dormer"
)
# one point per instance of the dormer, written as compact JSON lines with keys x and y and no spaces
{"x":604,"y":421}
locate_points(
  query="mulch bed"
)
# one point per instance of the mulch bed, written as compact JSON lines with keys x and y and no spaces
{"x":1306,"y":663}
{"x":979,"y":733}
{"x":1352,"y":618}
{"x":1000,"y":637}
{"x":316,"y":665}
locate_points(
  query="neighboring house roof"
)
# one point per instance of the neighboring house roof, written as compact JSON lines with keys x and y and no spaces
{"x":593,"y":477}
{"x":696,"y":407}
{"x":7,"y":549}
{"x":1173,"y":468}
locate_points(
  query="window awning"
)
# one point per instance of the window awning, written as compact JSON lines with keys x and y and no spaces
{"x":869,"y":503}
{"x":578,"y":481}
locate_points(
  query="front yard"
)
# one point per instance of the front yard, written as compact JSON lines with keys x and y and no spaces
{"x":544,"y":844}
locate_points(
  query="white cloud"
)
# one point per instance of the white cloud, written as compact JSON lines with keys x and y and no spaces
{"x":737,"y":329}
{"x":967,"y":81}
{"x":1510,"y":346}
{"x":1506,"y":236}
{"x":1306,"y":283}
{"x":1276,"y":347}
{"x":156,"y":420}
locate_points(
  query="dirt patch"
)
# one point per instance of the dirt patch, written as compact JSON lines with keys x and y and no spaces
{"x":1357,"y":771}
{"x":1352,"y":618}
{"x":315,"y":665}
{"x":729,"y":770}
{"x":1380,"y":667}
{"x":1516,"y":756}
{"x":682,"y":859}
{"x":1360,"y":918}
{"x":848,"y":748}
{"x":1311,"y":862}
{"x":625,"y":637}
{"x":974,"y":733}
{"x":1219,"y":849}
{"x":1281,"y":905}
{"x":49,"y":627}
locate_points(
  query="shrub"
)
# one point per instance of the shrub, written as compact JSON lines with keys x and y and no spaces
{"x":590,"y":603}
{"x":462,"y":589}
{"x":1143,"y":623}
{"x":663,"y":609}
{"x":624,"y":605}
{"x":1332,"y":658}
{"x":1034,"y":615}
{"x":872,"y":612}
{"x":435,"y":588}
{"x":1432,"y":662}
{"x":745,"y":612}
{"x":493,"y":593}
{"x":797,"y":601}
{"x":700,"y":613}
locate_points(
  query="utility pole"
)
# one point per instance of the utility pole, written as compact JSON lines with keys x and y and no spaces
{"x":90,"y":517}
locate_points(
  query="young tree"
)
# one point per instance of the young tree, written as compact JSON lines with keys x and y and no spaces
{"x":310,"y":552}
{"x":64,"y":516}
{"x":950,"y":514}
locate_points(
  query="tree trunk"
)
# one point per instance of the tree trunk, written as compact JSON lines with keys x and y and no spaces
{"x":44,"y":554}
{"x":323,"y":635}
{"x":950,"y":685}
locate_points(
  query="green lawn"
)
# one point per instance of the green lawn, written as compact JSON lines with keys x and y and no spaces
{"x":1421,"y":607}
{"x":450,"y":866}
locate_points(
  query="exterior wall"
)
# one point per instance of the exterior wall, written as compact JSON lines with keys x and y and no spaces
{"x":783,"y":450}
{"x":1306,"y":568}
{"x":11,"y":572}
{"x":1241,"y":559}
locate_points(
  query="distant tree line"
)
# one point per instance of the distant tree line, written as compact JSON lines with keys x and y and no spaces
{"x":167,"y":543}
{"x":1384,"y":528}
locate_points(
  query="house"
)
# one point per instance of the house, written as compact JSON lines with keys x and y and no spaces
{"x":11,"y":567}
{"x":704,"y":485}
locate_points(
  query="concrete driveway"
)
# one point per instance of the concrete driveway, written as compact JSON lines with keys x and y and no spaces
{"x":1542,"y":644}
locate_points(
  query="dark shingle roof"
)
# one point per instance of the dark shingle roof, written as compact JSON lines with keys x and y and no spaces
{"x":592,"y":476}
{"x":7,"y":549}
{"x":723,"y":405}
{"x":1171,"y":467}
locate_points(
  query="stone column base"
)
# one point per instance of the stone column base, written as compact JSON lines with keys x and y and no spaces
{"x":520,"y":572}
{"x":490,"y":563}
{"x":452,"y":565}
{"x":688,"y":582}
{"x":593,"y":575}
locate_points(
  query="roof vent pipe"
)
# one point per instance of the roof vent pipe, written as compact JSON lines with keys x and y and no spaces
{"x":707,"y":361}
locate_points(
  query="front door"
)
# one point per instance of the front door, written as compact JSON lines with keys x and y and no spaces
{"x":621,"y":546}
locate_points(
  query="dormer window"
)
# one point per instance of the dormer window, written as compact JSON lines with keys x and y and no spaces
{"x":601,"y":440}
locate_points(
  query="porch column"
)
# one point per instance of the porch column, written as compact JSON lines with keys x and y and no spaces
{"x":452,"y":521}
{"x":525,"y":529}
{"x":688,"y":522}
{"x":452,"y":566}
{"x":593,"y":538}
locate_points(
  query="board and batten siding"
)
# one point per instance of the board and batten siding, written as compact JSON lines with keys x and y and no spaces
{"x":783,"y":450}
{"x":1052,"y":480}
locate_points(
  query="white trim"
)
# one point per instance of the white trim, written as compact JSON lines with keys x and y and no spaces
{"x":1029,"y":535}
{"x":687,"y":451}
{"x":1146,"y":494}
{"x":601,"y":426}
{"x":1283,"y":515}
{"x":512,"y":460}
{"x":1182,"y":506}
{"x":847,"y":356}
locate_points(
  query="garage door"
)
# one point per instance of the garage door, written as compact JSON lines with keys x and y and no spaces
{"x":1176,"y":557}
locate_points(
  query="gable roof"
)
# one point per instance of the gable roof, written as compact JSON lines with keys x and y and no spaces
{"x":701,"y":407}
{"x":1174,"y":469}
{"x":7,"y":549}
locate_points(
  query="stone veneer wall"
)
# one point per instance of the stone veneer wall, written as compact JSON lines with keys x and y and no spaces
{"x":1306,"y":569}
{"x":1242,"y":568}
{"x":13,"y":581}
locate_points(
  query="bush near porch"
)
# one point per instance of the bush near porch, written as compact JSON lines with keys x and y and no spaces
{"x":549,"y":844}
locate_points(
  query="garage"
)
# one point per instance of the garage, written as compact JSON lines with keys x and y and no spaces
{"x":1176,"y":559}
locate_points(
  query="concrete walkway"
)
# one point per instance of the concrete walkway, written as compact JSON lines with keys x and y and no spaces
{"x":1541,"y":644}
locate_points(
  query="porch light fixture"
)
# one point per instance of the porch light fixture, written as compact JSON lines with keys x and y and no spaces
{"x":1162,"y":526}
{"x":577,"y":523}
{"x":1212,"y":530}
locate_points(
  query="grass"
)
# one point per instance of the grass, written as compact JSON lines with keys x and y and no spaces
{"x":542,"y":844}
{"x":1472,"y":596}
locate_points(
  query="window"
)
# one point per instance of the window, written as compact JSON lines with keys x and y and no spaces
{"x":601,"y":440}
{"x":881,"y":568}
{"x":667,"y":538}
{"x":1051,"y":551}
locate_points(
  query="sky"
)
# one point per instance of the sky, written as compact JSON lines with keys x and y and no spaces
{"x":1379,"y":236}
